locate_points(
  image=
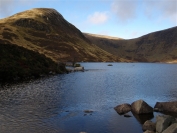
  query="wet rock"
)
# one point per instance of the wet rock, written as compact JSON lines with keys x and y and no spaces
{"x":171,"y":129}
{"x":123,"y":108}
{"x":141,"y":107}
{"x":148,"y":131}
{"x":162,"y":122}
{"x":149,"y":125}
{"x":166,"y":107}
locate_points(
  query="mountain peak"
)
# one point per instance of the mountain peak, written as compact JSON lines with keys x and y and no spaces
{"x":46,"y":31}
{"x":38,"y":12}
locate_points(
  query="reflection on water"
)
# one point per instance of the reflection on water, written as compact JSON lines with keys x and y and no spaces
{"x":56,"y":104}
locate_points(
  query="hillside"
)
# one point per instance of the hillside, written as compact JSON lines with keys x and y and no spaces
{"x":18,"y":63}
{"x":160,"y":46}
{"x":45,"y":31}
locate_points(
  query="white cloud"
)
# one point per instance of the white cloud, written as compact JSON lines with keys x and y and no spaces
{"x":7,"y":7}
{"x":124,"y":9}
{"x":98,"y":18}
{"x":166,"y":9}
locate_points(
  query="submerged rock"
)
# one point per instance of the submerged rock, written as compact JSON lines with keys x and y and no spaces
{"x":88,"y":111}
{"x":123,"y":108}
{"x":141,"y":107}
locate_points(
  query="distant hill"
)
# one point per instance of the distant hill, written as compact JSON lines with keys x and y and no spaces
{"x":45,"y":31}
{"x":160,"y":46}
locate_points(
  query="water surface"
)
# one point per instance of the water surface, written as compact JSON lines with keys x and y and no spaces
{"x":56,"y":104}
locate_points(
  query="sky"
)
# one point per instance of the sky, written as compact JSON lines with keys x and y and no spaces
{"x":118,"y":18}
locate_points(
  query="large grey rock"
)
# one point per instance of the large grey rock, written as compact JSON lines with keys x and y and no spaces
{"x":166,"y":107}
{"x":123,"y":108}
{"x":163,"y":122}
{"x":148,"y":131}
{"x":141,"y":107}
{"x":171,"y":129}
{"x":149,"y":125}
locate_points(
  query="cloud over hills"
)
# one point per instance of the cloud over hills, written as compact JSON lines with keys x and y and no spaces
{"x":124,"y":10}
{"x":98,"y":18}
{"x":158,"y":9}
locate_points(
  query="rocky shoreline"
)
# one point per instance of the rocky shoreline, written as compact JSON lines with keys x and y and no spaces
{"x":163,"y":124}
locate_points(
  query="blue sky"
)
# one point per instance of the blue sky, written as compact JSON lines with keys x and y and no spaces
{"x":120,"y":18}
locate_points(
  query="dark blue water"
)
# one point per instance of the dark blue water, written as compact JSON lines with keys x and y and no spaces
{"x":56,"y":104}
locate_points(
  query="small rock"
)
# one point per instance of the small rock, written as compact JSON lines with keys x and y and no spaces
{"x":163,"y":121}
{"x":149,"y":125}
{"x":127,"y":115}
{"x":156,"y":109}
{"x":88,"y":111}
{"x":171,"y":129}
{"x":141,"y":107}
{"x":123,"y":108}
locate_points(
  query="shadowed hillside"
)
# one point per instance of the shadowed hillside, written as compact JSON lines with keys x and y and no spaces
{"x":47,"y":32}
{"x":18,"y":63}
{"x":160,"y":46}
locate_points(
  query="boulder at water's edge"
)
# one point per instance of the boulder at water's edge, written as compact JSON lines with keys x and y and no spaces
{"x":141,"y":107}
{"x":163,"y":122}
{"x":123,"y":108}
{"x":166,"y":107}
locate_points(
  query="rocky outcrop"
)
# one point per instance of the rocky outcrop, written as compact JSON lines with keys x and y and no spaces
{"x":163,"y":122}
{"x":141,"y":107}
{"x":149,"y":125}
{"x":171,"y":129}
{"x":166,"y":107}
{"x":31,"y":23}
{"x":123,"y":108}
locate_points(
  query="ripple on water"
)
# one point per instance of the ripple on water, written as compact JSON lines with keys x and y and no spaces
{"x":56,"y":104}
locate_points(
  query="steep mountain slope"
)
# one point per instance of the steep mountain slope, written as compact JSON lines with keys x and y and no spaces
{"x":160,"y":46}
{"x":47,"y":32}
